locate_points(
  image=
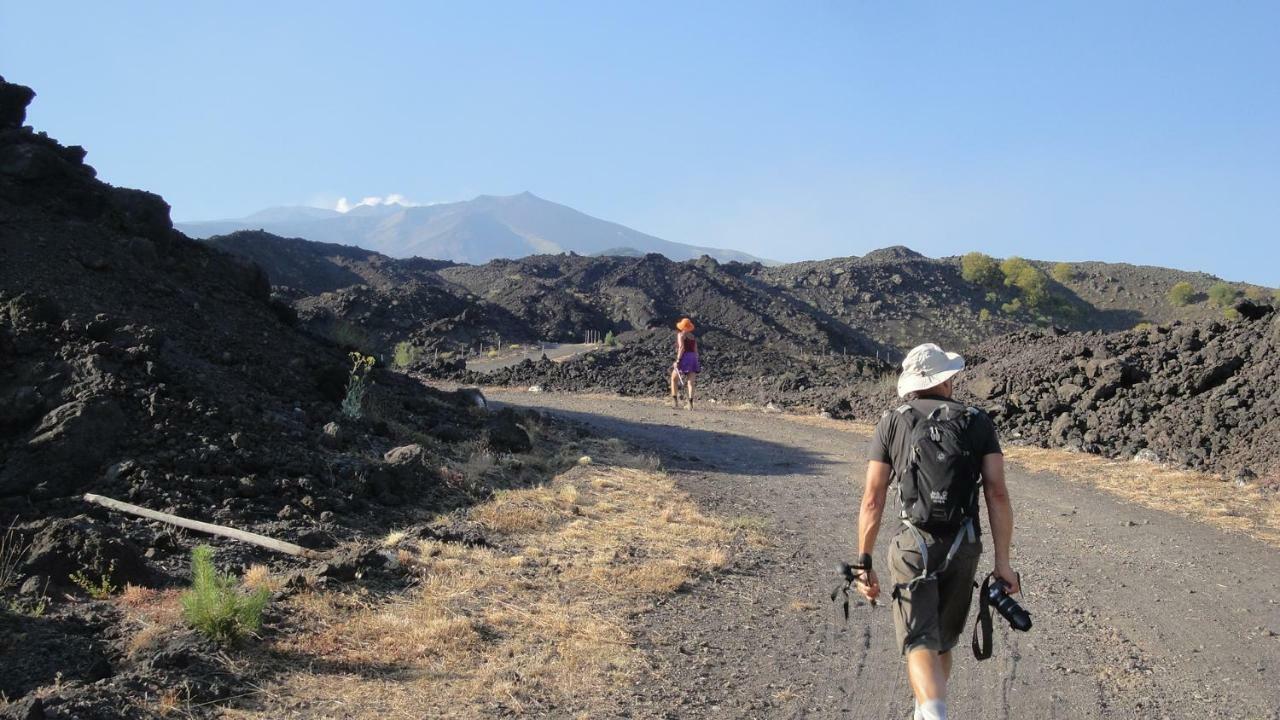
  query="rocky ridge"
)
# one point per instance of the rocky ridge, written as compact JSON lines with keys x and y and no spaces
{"x":147,"y":367}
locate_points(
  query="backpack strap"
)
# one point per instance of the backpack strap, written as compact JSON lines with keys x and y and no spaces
{"x":965,"y":531}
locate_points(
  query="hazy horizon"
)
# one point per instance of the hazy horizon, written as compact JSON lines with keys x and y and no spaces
{"x":1144,"y":133}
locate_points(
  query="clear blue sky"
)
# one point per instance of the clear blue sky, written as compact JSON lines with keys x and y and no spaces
{"x":1138,"y":132}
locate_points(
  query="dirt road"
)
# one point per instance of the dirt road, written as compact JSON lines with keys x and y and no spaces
{"x":1138,"y":614}
{"x":553,"y":351}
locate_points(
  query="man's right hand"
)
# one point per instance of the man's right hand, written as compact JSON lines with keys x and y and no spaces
{"x":868,"y":585}
{"x":1009,"y":578}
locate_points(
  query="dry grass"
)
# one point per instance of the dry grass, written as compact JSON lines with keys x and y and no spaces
{"x":258,"y":577}
{"x":155,"y":614}
{"x":1193,"y":495}
{"x":539,"y":624}
{"x":1197,"y":496}
{"x":848,"y":426}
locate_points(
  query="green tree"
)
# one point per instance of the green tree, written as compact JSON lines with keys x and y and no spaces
{"x":1011,"y":267}
{"x":609,"y":340}
{"x":215,"y":606}
{"x":1064,"y":272}
{"x":1033,"y":284}
{"x":1181,"y":293}
{"x":1222,"y":294}
{"x":980,"y":269}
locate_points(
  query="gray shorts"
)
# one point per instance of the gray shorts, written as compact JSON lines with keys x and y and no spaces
{"x":933,"y":614}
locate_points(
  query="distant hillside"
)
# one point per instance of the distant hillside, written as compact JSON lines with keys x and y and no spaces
{"x":474,"y":231}
{"x":879,"y":304}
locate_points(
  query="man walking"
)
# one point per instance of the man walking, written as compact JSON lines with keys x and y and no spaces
{"x":940,"y":453}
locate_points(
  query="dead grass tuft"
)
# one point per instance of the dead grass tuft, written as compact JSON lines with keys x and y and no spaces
{"x":1196,"y":496}
{"x":136,"y":596}
{"x":537,"y":624}
{"x":258,"y":577}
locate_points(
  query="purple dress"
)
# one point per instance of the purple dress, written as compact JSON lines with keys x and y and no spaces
{"x":689,"y":360}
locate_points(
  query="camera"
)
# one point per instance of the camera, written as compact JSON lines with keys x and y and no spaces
{"x":1009,"y":609}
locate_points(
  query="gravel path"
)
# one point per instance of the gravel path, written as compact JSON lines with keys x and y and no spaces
{"x":553,"y":351}
{"x":1138,"y":614}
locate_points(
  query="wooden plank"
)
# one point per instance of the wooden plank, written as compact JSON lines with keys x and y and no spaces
{"x":210,"y":528}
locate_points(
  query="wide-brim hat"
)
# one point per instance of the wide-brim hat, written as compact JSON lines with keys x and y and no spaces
{"x":927,"y":366}
{"x":685,"y":325}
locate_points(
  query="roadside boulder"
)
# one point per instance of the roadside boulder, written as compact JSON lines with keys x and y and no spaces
{"x":504,"y":434}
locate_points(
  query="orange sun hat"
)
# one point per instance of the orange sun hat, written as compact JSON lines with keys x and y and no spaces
{"x":685,"y":325}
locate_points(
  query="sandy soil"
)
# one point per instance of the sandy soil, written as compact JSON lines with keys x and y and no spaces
{"x":1138,"y":613}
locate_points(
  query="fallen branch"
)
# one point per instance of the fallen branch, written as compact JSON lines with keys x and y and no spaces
{"x":241,"y":535}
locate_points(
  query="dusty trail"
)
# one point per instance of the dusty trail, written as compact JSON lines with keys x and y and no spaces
{"x":1138,"y":614}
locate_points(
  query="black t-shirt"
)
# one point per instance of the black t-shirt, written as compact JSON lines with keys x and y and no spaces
{"x":891,"y":442}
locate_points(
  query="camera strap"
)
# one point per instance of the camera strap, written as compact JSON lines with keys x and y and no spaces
{"x":982,"y":649}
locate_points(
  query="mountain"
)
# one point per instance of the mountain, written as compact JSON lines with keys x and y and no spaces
{"x":473,"y":231}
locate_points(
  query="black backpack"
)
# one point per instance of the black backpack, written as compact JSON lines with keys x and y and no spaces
{"x":938,"y":482}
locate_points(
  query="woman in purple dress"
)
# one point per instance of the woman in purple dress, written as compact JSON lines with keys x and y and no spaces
{"x":686,"y":368}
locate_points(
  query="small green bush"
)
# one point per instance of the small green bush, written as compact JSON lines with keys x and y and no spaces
{"x":1012,"y":307}
{"x":980,"y":269}
{"x":1181,"y":293}
{"x":215,"y":606}
{"x":349,"y":336}
{"x":357,"y":385}
{"x":1256,"y":293}
{"x":992,"y":297}
{"x":1222,"y":294}
{"x":406,"y":354}
{"x":1231,"y":313}
{"x":1064,"y":272}
{"x":609,"y":339}
{"x":99,"y":589}
{"x":984,"y":315}
{"x":1275,"y":297}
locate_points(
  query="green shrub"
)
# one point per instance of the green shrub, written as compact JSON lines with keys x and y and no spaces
{"x":1064,"y":272}
{"x":99,"y":589}
{"x":609,"y":339}
{"x":984,"y":315}
{"x":1275,"y":297}
{"x":1256,"y":293}
{"x":1231,"y":313}
{"x":1181,"y":293}
{"x":1143,"y":327}
{"x":1222,"y":294}
{"x":1012,"y":307}
{"x":406,"y":354}
{"x":349,"y":336}
{"x":1011,"y":267}
{"x":992,"y":297}
{"x":1030,"y":281}
{"x":980,"y":269}
{"x":215,"y":606}
{"x":357,"y":385}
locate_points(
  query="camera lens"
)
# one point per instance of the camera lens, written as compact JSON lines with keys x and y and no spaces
{"x":1009,"y":608}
